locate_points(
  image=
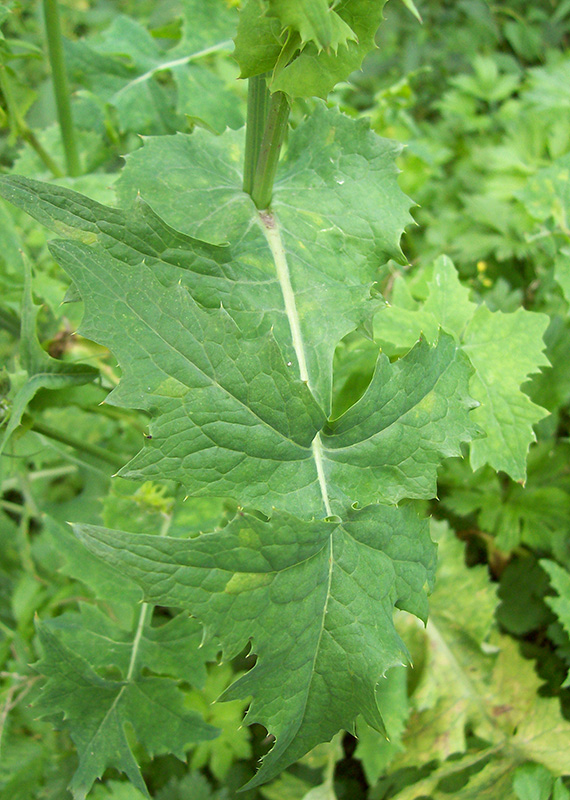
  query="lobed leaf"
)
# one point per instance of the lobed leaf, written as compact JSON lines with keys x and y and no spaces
{"x":327,"y":590}
{"x":504,"y":350}
{"x":230,"y":350}
{"x":95,"y":711}
{"x":315,"y":21}
{"x":319,"y":48}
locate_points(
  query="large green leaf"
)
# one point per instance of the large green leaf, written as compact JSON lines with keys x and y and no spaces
{"x":230,"y":349}
{"x":340,"y":215}
{"x":231,"y":418}
{"x":504,"y":350}
{"x":326,"y":589}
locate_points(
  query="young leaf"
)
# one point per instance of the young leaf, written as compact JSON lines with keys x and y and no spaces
{"x":327,"y":590}
{"x":95,"y":709}
{"x":315,"y":21}
{"x":306,"y":64}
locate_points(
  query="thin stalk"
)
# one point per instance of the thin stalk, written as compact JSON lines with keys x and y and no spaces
{"x":145,"y":615}
{"x":20,"y":127}
{"x":61,"y":86}
{"x":270,"y":149}
{"x":93,"y":449}
{"x":257,"y":104}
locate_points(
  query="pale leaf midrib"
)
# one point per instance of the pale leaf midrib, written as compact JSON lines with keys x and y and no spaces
{"x":206,"y":51}
{"x":272,"y":233}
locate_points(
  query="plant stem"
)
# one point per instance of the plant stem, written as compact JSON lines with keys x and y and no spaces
{"x":19,"y":126}
{"x":93,"y":449}
{"x":257,"y":103}
{"x":270,"y":149}
{"x":61,"y":86}
{"x":147,"y":609}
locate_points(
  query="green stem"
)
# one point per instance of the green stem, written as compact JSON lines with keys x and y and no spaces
{"x":270,"y":148}
{"x":99,"y":452}
{"x":257,"y":103}
{"x":145,"y":616}
{"x":20,"y":127}
{"x":61,"y":86}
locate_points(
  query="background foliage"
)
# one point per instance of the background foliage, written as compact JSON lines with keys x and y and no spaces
{"x":479,"y":93}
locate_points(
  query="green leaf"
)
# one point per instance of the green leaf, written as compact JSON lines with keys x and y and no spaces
{"x":560,"y":581}
{"x":229,"y":349}
{"x":42,"y":371}
{"x":163,"y":300}
{"x":328,"y":587}
{"x":315,"y":21}
{"x":340,"y":213}
{"x":121,"y":65}
{"x":504,"y":350}
{"x":96,"y":709}
{"x":296,"y":60}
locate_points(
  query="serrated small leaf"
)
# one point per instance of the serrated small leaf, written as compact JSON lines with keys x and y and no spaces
{"x":315,"y":21}
{"x":504,"y":350}
{"x":328,"y":44}
{"x":95,"y":711}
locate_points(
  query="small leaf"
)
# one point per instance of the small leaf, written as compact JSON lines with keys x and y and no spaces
{"x":504,"y":350}
{"x":315,"y":21}
{"x":95,"y":709}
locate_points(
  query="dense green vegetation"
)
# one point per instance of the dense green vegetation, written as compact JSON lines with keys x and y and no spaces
{"x":157,"y":262}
